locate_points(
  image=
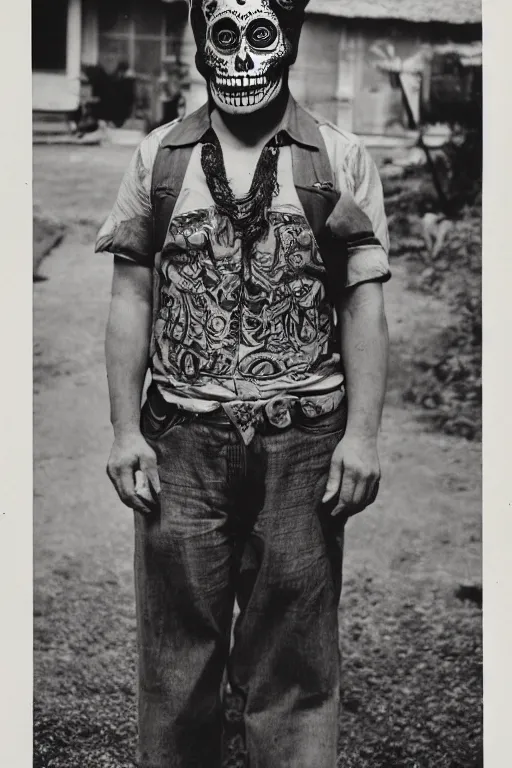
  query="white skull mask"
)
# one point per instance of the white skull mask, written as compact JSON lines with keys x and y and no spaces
{"x":246,"y":54}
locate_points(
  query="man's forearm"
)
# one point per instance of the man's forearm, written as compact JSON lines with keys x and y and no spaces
{"x":132,"y":464}
{"x":364,"y":349}
{"x":127,"y":347}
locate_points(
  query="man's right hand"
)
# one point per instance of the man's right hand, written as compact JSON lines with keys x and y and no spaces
{"x":130,"y":454}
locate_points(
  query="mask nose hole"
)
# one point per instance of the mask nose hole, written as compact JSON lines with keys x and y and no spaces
{"x":243,"y":63}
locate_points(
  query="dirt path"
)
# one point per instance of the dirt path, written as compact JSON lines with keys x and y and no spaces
{"x":412,"y":647}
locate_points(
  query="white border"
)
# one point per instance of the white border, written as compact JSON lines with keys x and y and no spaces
{"x":16,"y":388}
{"x":16,"y":385}
{"x":497,"y":345}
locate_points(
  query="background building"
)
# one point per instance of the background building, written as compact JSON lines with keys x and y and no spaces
{"x":148,"y":36}
{"x":335,"y":74}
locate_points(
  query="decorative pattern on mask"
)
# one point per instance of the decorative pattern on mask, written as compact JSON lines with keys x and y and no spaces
{"x":245,"y":54}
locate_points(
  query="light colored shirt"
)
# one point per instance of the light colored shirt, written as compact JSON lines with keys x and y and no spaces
{"x":232,"y":329}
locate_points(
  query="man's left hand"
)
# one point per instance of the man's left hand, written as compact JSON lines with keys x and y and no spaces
{"x":354,"y":475}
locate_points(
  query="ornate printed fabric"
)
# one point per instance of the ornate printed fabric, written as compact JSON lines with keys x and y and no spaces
{"x":127,"y":230}
{"x":250,"y":326}
{"x":249,"y":416}
{"x":239,"y":324}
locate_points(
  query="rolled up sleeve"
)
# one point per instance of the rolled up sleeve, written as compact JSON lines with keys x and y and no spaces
{"x":128,"y":230}
{"x":367,"y":258}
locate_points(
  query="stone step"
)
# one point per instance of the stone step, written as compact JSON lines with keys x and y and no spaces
{"x":49,"y":129}
{"x":89,"y":139}
{"x":49,"y":124}
{"x":49,"y":117}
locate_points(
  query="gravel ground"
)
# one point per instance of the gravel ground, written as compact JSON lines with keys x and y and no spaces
{"x":411,"y":609}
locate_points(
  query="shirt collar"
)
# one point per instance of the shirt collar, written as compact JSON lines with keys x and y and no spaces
{"x":298,"y":124}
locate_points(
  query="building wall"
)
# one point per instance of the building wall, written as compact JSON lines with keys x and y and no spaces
{"x":314,"y":77}
{"x":336,"y":73}
{"x":348,"y":48}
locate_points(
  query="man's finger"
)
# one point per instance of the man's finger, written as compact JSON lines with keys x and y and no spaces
{"x":151,"y":472}
{"x":127,"y":492}
{"x":125,"y":482}
{"x":333,"y":481}
{"x":373,"y":493}
{"x":364,"y":495}
{"x":360,"y":494}
{"x":144,"y":491}
{"x":359,"y":499}
{"x":348,"y":486}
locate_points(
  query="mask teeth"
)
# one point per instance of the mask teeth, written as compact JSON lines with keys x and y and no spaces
{"x":250,"y":97}
{"x":241,"y":82}
{"x":239,"y":100}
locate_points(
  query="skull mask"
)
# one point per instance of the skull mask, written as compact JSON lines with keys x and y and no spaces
{"x":244,"y":50}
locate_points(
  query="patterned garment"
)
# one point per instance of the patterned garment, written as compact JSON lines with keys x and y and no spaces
{"x":240,"y":324}
{"x":250,"y":326}
{"x":250,"y":415}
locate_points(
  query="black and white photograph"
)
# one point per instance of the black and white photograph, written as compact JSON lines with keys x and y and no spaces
{"x":257,"y":384}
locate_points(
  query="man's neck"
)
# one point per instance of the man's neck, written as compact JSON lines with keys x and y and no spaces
{"x":255,"y":129}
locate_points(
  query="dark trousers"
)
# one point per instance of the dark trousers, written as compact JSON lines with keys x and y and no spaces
{"x":242,"y":522}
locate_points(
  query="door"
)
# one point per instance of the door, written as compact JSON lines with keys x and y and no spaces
{"x":56,"y":48}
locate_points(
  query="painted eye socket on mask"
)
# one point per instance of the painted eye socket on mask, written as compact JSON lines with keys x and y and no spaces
{"x":225,"y":36}
{"x":261,"y":34}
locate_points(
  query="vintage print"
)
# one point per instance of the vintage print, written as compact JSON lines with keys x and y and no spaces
{"x":257,"y":383}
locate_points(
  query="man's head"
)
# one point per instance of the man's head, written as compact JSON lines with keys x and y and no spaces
{"x":245,"y":48}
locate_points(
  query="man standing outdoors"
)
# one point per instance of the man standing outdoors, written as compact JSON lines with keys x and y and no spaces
{"x":250,"y":248}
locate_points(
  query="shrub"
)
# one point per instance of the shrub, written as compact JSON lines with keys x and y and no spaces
{"x":447,"y":380}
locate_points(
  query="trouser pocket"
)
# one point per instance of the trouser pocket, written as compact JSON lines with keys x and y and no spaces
{"x":158,"y":417}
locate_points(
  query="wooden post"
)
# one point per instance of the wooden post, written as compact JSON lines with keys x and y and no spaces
{"x":74,"y":39}
{"x":346,"y":79}
{"x":90,"y":32}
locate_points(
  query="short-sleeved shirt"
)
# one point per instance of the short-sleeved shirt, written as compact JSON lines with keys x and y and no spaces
{"x":234,"y":326}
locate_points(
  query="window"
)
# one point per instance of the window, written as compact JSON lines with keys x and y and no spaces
{"x":142,"y":33}
{"x":175,"y":21}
